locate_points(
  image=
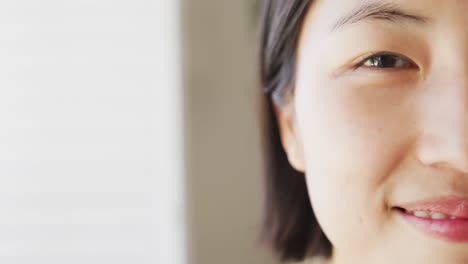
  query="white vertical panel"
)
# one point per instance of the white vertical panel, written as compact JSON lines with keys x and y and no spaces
{"x":90,"y":145}
{"x":168,"y":143}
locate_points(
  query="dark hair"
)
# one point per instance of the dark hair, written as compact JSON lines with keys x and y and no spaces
{"x":289,"y":226}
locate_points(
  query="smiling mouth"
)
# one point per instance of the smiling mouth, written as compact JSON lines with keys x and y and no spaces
{"x":428,"y":214}
{"x":443,"y":218}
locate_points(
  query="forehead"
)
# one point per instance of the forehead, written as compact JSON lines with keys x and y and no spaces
{"x":441,"y":16}
{"x":331,"y":11}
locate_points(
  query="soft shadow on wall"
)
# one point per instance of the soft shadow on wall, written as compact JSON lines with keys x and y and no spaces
{"x":222,"y":143}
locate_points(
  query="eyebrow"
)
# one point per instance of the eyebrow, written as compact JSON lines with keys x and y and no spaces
{"x":381,"y":11}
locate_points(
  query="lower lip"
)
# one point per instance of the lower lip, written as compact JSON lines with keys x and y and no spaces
{"x":455,"y":230}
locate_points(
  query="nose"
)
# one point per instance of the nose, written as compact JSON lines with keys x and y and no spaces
{"x":444,"y":137}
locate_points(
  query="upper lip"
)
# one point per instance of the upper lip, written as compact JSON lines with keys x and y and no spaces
{"x":452,"y":206}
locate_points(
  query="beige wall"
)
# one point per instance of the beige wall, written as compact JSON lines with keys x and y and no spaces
{"x":223,"y":162}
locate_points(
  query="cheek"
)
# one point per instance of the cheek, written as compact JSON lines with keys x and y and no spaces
{"x":353,"y":137}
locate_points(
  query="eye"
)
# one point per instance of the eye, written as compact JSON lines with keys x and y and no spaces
{"x":385,"y":61}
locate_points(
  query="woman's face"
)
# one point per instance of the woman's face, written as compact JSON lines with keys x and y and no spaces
{"x":378,"y":135}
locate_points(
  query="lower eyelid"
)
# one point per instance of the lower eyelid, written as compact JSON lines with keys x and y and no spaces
{"x":377,"y":70}
{"x":379,"y":79}
{"x":367,"y":72}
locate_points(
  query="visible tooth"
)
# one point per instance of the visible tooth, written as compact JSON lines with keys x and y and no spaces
{"x":421,"y":214}
{"x":438,"y":216}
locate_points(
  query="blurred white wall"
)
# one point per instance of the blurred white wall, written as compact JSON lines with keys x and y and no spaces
{"x":91,"y":164}
{"x":222,"y":139}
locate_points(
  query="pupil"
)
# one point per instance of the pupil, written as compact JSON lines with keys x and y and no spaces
{"x":385,"y":61}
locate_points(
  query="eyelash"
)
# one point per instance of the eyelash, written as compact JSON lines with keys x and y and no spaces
{"x":407,"y":62}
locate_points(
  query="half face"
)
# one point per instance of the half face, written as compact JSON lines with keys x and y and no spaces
{"x":379,"y":124}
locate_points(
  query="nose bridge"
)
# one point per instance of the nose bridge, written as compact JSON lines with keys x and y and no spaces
{"x":444,"y":140}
